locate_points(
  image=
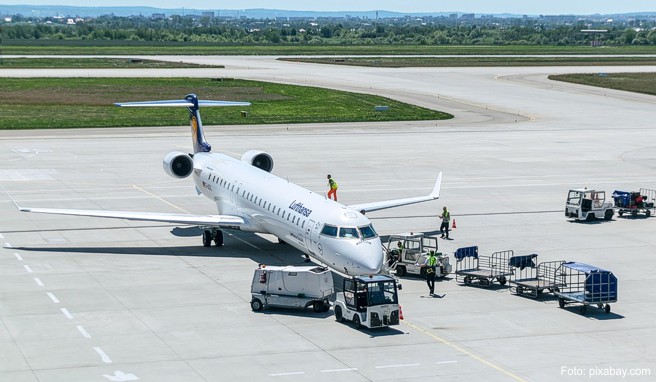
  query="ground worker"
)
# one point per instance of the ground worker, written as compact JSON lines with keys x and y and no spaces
{"x":444,"y":228}
{"x":431,"y":267}
{"x":333,"y":188}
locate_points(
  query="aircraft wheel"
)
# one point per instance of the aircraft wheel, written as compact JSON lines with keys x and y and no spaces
{"x":218,"y":238}
{"x":256,"y":305}
{"x":339,"y":317}
{"x":207,"y":238}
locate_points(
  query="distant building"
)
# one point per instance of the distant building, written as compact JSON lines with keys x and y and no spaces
{"x":468,"y":16}
{"x":209,"y":14}
{"x":158,"y":16}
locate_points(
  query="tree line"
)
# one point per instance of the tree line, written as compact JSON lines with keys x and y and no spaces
{"x":342,"y":32}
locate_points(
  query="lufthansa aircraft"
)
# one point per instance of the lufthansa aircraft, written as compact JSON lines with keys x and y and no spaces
{"x":249,"y":198}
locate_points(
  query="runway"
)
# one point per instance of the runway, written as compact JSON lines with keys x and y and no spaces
{"x":106,"y":300}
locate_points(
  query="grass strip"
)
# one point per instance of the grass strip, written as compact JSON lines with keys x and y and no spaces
{"x":33,"y":103}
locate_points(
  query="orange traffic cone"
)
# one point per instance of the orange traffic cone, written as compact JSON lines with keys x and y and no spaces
{"x":400,"y":312}
{"x":453,"y":226}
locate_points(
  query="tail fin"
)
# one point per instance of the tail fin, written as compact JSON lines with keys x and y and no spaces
{"x":192,"y":104}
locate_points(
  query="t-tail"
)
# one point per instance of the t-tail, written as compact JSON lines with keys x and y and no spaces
{"x":192,"y":104}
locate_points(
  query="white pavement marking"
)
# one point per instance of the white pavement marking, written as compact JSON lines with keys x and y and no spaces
{"x":27,"y":268}
{"x":7,"y":245}
{"x":405,"y":365}
{"x":338,"y":370}
{"x":18,"y":256}
{"x":67,"y":313}
{"x":53,"y":298}
{"x":290,"y":373}
{"x":105,"y":358}
{"x":38,"y":281}
{"x":120,"y":376}
{"x":443,"y":362}
{"x":2,"y":236}
{"x":84,"y":332}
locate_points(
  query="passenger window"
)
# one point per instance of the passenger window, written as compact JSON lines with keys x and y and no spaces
{"x":329,"y":230}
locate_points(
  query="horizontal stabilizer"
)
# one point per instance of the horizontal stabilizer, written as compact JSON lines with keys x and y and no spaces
{"x":211,"y":220}
{"x":375,"y":206}
{"x":180,"y":102}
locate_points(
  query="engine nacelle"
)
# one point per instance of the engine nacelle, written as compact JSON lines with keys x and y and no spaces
{"x":259,"y":159}
{"x":178,"y":164}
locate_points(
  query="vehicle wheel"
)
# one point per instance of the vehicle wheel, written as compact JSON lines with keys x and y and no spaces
{"x":326,"y":306}
{"x":468,"y":280}
{"x":218,"y":238}
{"x":600,"y":306}
{"x":356,"y":321}
{"x":519,"y":290}
{"x":561,"y":302}
{"x":590,"y":217}
{"x":207,"y":238}
{"x":620,"y":213}
{"x":648,"y":213}
{"x":502,"y":280}
{"x":318,"y":307}
{"x":400,"y":271}
{"x":607,"y":308}
{"x":256,"y":305}
{"x":634,"y":213}
{"x":608,"y":215}
{"x":339,"y":317}
{"x":584,"y":309}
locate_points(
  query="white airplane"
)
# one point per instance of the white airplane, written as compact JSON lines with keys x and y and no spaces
{"x":249,"y":198}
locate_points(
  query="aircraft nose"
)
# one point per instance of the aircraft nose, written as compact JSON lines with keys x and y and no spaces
{"x":374,"y":258}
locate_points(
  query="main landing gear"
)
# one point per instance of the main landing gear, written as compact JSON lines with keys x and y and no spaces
{"x":212,"y":234}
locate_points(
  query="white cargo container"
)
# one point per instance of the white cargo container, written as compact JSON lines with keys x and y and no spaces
{"x":292,"y":287}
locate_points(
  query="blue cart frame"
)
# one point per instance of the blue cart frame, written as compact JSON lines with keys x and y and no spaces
{"x":586,"y":284}
{"x":483,"y":269}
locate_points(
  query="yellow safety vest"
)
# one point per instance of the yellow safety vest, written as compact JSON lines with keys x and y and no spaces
{"x":333,"y":184}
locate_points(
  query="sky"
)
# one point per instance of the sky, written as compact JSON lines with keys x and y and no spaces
{"x":550,"y":7}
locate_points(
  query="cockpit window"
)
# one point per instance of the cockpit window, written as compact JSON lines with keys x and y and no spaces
{"x":348,"y":232}
{"x":329,"y":230}
{"x":367,"y":232}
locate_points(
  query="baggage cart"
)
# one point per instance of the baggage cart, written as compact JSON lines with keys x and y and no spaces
{"x":635,"y":202}
{"x":529,"y":279}
{"x":586,"y":285}
{"x":484,"y":270}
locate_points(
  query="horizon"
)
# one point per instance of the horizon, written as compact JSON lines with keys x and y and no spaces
{"x":561,"y":7}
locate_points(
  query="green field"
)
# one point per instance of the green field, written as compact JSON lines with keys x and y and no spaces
{"x":93,"y":63}
{"x":86,"y":47}
{"x":633,"y":82}
{"x":88,"y":102}
{"x":463,"y":61}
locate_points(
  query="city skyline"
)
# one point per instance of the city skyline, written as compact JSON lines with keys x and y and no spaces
{"x":418,"y":6}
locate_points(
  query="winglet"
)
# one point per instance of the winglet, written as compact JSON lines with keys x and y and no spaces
{"x":436,"y":189}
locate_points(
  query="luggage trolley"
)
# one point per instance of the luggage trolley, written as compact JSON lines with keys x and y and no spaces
{"x":586,"y":284}
{"x":635,"y":202}
{"x":484,"y":269}
{"x":530,"y":279}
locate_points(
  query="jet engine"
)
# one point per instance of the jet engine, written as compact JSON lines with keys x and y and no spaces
{"x":178,"y":164}
{"x":259,"y":159}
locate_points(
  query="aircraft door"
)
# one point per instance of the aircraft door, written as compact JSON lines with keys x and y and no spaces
{"x":312,"y":237}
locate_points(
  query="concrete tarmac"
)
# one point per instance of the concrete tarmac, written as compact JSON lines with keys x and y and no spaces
{"x":85,"y":299}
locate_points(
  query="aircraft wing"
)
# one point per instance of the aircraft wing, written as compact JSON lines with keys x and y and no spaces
{"x":212,"y":220}
{"x":375,"y":206}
